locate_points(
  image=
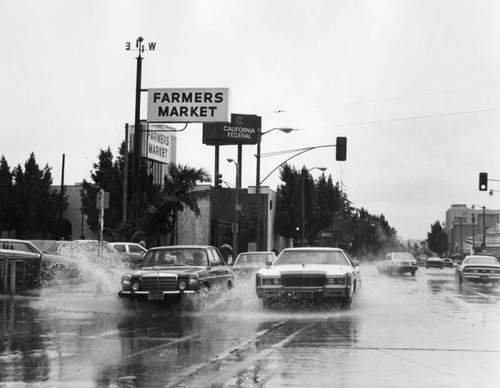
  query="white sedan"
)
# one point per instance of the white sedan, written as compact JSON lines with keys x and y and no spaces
{"x":309,"y":273}
{"x":478,"y":269}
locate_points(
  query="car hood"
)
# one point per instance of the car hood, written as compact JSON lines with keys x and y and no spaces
{"x":306,"y":268}
{"x":168,"y":270}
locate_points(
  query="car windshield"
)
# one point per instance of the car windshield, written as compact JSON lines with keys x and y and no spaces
{"x":403,"y":256}
{"x":252,"y":259}
{"x":481,"y":260}
{"x":311,"y":257}
{"x":175,"y":257}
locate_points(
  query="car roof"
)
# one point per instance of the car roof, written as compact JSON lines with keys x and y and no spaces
{"x":185,"y":247}
{"x":480,"y":257}
{"x":312,"y":249}
{"x":15,"y":240}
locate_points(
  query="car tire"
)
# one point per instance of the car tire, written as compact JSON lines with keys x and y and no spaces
{"x":346,"y":303}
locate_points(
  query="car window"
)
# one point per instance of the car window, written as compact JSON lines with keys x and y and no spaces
{"x":403,"y":256}
{"x":253,"y":259}
{"x":18,"y":246}
{"x":481,"y":260}
{"x":136,"y":249}
{"x":214,"y":257}
{"x":120,"y":247}
{"x":312,"y":257}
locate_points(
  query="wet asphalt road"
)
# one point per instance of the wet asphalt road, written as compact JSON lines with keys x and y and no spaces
{"x":400,"y":332}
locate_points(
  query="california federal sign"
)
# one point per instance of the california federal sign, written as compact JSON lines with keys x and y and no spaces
{"x":191,"y":105}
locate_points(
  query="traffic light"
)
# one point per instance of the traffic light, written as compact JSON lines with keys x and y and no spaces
{"x":218,"y":181}
{"x":483,"y":181}
{"x":341,"y":149}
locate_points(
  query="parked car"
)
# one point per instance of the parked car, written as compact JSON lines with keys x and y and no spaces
{"x":447,"y":262}
{"x":247,"y":263}
{"x":434,"y":262}
{"x":176,"y":270}
{"x":105,"y":255}
{"x":309,"y":273}
{"x":133,"y":251}
{"x":42,"y":265}
{"x":478,"y":269}
{"x":398,"y":263}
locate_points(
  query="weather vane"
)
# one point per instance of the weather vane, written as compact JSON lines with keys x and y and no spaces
{"x":139,"y":45}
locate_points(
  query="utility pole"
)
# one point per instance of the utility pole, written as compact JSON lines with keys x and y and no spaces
{"x":136,"y":168}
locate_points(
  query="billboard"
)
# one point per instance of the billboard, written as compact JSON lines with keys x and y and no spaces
{"x":190,"y":105}
{"x":243,"y":129}
{"x":158,"y":142}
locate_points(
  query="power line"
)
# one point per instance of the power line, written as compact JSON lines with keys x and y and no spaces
{"x":405,"y":118}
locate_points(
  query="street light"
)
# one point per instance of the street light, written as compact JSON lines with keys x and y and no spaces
{"x":304,"y":201}
{"x":257,"y":178}
{"x":236,"y":208}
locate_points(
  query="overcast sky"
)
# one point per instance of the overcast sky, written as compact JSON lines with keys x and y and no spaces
{"x":413,"y":85}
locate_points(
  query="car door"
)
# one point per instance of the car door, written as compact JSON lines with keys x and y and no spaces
{"x":220,"y":273}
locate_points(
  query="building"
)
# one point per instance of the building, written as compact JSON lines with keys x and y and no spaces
{"x":468,"y":227}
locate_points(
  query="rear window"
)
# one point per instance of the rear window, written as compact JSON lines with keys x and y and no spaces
{"x":311,"y":257}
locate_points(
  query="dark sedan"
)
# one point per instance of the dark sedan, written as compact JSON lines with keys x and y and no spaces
{"x":176,"y":270}
{"x":434,"y":262}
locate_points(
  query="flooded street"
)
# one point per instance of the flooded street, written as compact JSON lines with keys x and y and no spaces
{"x":424,"y":331}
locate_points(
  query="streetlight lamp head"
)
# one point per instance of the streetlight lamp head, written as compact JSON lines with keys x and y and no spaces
{"x":230,"y":160}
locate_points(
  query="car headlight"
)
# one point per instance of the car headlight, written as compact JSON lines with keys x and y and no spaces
{"x":182,"y":285}
{"x":193,"y":280}
{"x":126,"y":279}
{"x":271,"y":281}
{"x":135,"y":286}
{"x":335,"y":281}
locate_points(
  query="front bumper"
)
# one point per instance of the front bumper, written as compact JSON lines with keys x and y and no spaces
{"x":152,"y":295}
{"x":303,"y":293}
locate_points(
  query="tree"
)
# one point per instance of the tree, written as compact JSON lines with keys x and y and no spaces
{"x":38,"y":209}
{"x":179,"y":192}
{"x":107,"y":175}
{"x":288,"y":209}
{"x":7,"y":216}
{"x":437,"y":238}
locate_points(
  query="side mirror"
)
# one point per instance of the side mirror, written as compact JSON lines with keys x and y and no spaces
{"x":355,"y":263}
{"x":269,"y":262}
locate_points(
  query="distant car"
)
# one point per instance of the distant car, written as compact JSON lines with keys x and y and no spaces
{"x":421,"y":260}
{"x":478,"y":269}
{"x":434,"y":262}
{"x":135,"y":252}
{"x":309,"y":273}
{"x":457,"y":258}
{"x":447,"y":262}
{"x":398,"y":263}
{"x":176,"y":270}
{"x":247,"y":263}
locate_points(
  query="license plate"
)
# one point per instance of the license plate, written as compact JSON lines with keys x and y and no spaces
{"x":155,"y":296}
{"x":486,"y":277}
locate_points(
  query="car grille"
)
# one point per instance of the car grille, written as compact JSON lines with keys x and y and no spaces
{"x":303,"y":280}
{"x":159,"y":283}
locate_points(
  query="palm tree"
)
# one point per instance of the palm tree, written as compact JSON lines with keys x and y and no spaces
{"x":179,"y":192}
